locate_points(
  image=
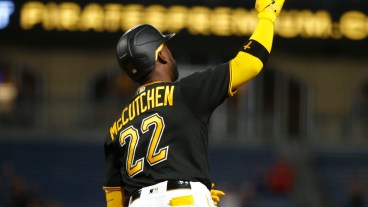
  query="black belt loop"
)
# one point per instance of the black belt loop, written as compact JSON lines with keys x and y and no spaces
{"x":135,"y":196}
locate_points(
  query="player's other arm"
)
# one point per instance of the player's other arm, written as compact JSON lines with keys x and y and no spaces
{"x":254,"y":54}
{"x":113,"y":186}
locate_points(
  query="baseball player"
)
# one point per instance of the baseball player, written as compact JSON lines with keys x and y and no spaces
{"x":156,"y":150}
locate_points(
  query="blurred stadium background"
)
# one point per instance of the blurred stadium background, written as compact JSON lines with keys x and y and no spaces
{"x":295,"y":136}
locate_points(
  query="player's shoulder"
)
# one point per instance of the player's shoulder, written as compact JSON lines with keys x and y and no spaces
{"x":207,"y":72}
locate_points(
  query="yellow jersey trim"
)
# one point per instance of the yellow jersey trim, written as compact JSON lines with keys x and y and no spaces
{"x":112,"y":188}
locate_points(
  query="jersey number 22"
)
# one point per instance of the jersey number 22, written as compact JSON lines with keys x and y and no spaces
{"x":154,"y":155}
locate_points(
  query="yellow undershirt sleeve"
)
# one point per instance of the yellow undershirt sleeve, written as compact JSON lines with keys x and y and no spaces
{"x":246,"y":66}
{"x":114,"y":196}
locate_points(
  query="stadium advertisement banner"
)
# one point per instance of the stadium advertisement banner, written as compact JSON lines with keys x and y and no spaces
{"x":219,"y":19}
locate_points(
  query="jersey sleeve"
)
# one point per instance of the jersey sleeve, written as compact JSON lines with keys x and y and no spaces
{"x":204,"y":91}
{"x":112,"y":166}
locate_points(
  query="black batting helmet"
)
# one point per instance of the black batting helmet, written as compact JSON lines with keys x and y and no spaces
{"x":136,"y":50}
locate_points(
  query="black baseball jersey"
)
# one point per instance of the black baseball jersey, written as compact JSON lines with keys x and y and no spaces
{"x":161,"y":134}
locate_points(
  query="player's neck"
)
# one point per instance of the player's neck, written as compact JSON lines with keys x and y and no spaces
{"x":156,"y":77}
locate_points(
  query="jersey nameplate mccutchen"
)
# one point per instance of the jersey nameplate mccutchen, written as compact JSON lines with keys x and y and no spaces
{"x":152,"y":98}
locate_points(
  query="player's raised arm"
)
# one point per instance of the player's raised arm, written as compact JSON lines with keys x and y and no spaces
{"x":254,"y":53}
